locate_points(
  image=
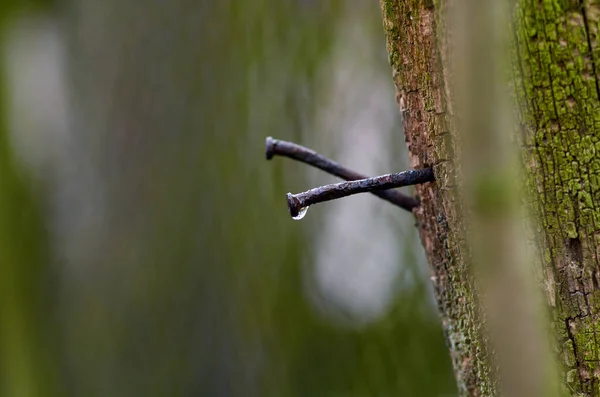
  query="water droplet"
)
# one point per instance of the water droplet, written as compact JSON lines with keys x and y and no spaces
{"x":301,"y":214}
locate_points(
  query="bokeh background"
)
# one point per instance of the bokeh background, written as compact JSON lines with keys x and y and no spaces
{"x":145,"y":244}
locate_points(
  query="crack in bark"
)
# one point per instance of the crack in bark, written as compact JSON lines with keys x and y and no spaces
{"x":589,"y":43}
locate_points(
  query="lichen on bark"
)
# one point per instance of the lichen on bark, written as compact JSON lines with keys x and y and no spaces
{"x":556,"y":61}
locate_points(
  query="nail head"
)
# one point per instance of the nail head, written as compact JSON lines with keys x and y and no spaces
{"x":270,"y":147}
{"x":293,"y":205}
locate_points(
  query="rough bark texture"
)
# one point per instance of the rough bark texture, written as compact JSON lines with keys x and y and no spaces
{"x":410,"y":28}
{"x":555,"y":59}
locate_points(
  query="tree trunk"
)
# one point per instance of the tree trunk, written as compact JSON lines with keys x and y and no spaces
{"x":554,"y":56}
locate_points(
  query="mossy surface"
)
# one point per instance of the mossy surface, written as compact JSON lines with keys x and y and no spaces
{"x":556,"y":59}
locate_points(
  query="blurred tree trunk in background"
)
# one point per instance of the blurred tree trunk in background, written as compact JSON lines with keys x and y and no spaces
{"x":27,"y":353}
{"x":28,"y":332}
{"x":554,"y":55}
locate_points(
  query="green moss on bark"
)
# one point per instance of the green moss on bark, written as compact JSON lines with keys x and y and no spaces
{"x":556,"y":61}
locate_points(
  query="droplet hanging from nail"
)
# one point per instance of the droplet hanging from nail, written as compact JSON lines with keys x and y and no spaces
{"x":301,"y":214}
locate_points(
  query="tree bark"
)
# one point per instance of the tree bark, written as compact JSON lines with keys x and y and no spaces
{"x":554,"y":57}
{"x":410,"y":28}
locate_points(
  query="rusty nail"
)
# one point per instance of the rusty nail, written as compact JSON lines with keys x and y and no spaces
{"x":334,"y":191}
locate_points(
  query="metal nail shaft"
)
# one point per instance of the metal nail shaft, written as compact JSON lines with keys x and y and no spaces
{"x":343,"y":189}
{"x":276,"y":147}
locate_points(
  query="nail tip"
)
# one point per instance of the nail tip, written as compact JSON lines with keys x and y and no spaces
{"x":269,"y":146}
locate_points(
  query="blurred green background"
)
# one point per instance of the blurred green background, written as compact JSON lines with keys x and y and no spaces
{"x":145,"y":245}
